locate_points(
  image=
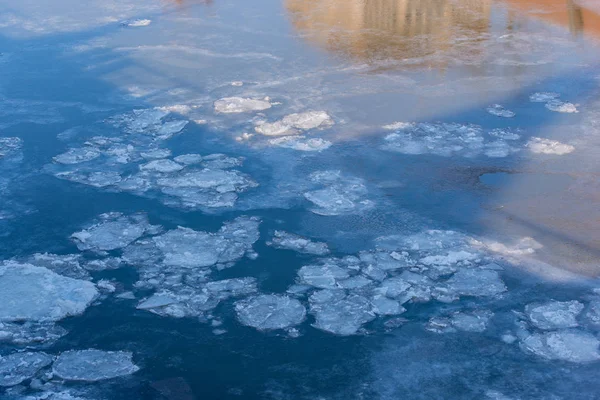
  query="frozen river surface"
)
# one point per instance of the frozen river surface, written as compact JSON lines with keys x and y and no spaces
{"x":299,"y":199}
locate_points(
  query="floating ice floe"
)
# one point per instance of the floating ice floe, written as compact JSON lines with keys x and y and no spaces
{"x":341,"y":314}
{"x":150,"y":122}
{"x":231,"y":105}
{"x":9,"y":145}
{"x":269,"y":311}
{"x":500,"y":111}
{"x":566,"y":345}
{"x":554,"y":314}
{"x":18,"y":367}
{"x":547,"y":146}
{"x":291,"y":124}
{"x":473,"y":321}
{"x":592,"y":314}
{"x":446,"y":139}
{"x":301,"y":143}
{"x":30,"y":333}
{"x":561,"y":106}
{"x":135,"y":23}
{"x":188,"y":159}
{"x":93,"y":365}
{"x":161,"y":165}
{"x":543,"y":97}
{"x":290,"y":241}
{"x":29,"y":293}
{"x":113,"y":231}
{"x":340,"y":195}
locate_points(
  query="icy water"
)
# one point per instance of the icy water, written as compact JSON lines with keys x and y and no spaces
{"x":319,"y":199}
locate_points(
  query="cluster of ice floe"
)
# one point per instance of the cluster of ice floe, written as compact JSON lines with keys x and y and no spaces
{"x":499,"y":111}
{"x":153,"y":122}
{"x":449,"y":139}
{"x":294,"y":123}
{"x":553,"y":103}
{"x":141,"y":167}
{"x":89,"y":365}
{"x":547,"y":146}
{"x":339,"y":194}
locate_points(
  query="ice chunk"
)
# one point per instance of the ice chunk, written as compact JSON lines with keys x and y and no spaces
{"x":93,"y":365}
{"x":66,"y":265}
{"x":234,"y":287}
{"x":77,"y":155}
{"x":221,"y":161}
{"x":473,"y":321}
{"x":285,"y":240}
{"x":267,"y":311}
{"x":342,"y":316}
{"x":230,"y":105}
{"x":547,"y":146}
{"x":500,"y":111}
{"x":554,"y":314}
{"x":301,"y":143}
{"x":476,"y":282}
{"x":189,"y":159}
{"x":342,"y":195}
{"x":113,"y":231}
{"x":384,"y":306}
{"x":135,"y":23}
{"x":573,"y":346}
{"x":290,"y":123}
{"x":30,"y":332}
{"x":29,"y":293}
{"x":561,"y":106}
{"x":394,"y":288}
{"x":150,"y":122}
{"x":153,"y":154}
{"x":18,"y":367}
{"x":592,"y":313}
{"x":322,"y":276}
{"x":543,"y":97}
{"x":163,"y":166}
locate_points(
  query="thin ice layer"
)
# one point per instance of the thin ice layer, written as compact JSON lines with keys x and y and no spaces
{"x":18,"y":367}
{"x":29,"y":293}
{"x":292,"y":123}
{"x":269,"y":311}
{"x":340,"y":194}
{"x":233,"y":105}
{"x":93,"y":365}
{"x":343,"y":316}
{"x":566,"y":345}
{"x":301,"y":143}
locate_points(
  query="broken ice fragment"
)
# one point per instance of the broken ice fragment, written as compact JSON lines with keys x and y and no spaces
{"x":290,"y":123}
{"x":554,"y":314}
{"x":561,"y":106}
{"x":285,"y":240}
{"x":18,"y":367}
{"x":163,"y":165}
{"x":93,"y":365}
{"x":473,"y":321}
{"x":384,"y":306}
{"x":114,"y":231}
{"x":567,"y":345}
{"x":500,"y":111}
{"x":342,"y":316}
{"x":29,"y":293}
{"x":267,"y":312}
{"x":301,"y":143}
{"x":230,"y":105}
{"x":77,"y":155}
{"x":136,"y":23}
{"x":9,"y":145}
{"x":547,"y":146}
{"x":189,"y":159}
{"x":476,"y":282}
{"x":543,"y":97}
{"x":322,"y":276}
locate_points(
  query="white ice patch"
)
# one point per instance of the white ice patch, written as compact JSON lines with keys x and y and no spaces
{"x":475,"y":282}
{"x":561,"y":107}
{"x":29,"y":333}
{"x":547,"y":146}
{"x":150,"y":122}
{"x":162,"y":166}
{"x":341,"y":194}
{"x":77,"y":155}
{"x":267,"y":312}
{"x":93,"y":365}
{"x":189,"y":159}
{"x":135,"y":23}
{"x":29,"y":293}
{"x":290,"y":124}
{"x":113,"y":231}
{"x":543,"y":97}
{"x":554,"y":314}
{"x":500,"y":111}
{"x":231,"y":105}
{"x":290,"y":241}
{"x":566,"y":345}
{"x":9,"y":145}
{"x":301,"y":143}
{"x":445,"y":139}
{"x":18,"y":367}
{"x":472,"y":321}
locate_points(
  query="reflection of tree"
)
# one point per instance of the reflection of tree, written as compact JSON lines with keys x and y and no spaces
{"x":397,"y":29}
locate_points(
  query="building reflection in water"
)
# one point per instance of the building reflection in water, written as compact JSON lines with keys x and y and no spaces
{"x":372,"y":30}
